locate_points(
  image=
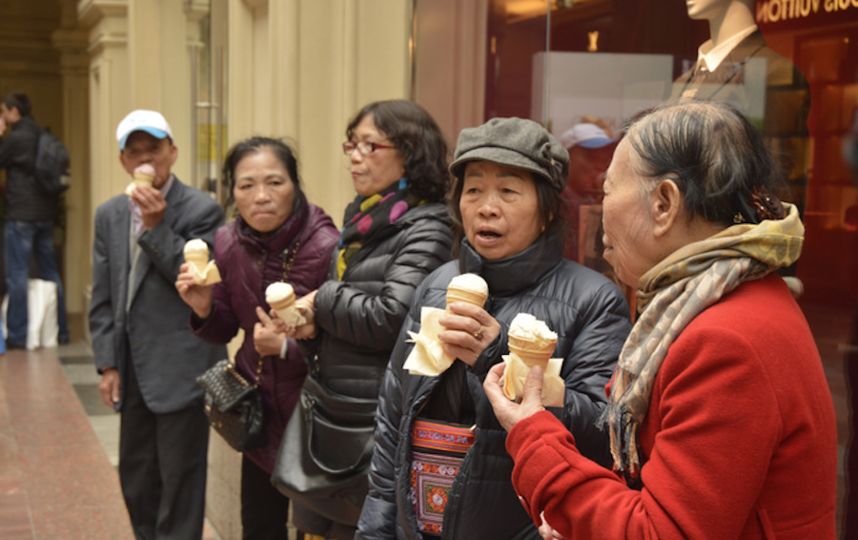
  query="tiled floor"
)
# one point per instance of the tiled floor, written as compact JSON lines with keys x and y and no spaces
{"x":58,"y":450}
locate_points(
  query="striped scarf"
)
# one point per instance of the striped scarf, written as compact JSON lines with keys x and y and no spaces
{"x":671,"y":295}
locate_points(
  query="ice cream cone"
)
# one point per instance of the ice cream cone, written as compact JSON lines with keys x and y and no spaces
{"x":143,"y":179}
{"x":531,"y":340}
{"x":280,"y":296}
{"x":197,"y":253}
{"x":144,"y":175}
{"x":469,"y":288}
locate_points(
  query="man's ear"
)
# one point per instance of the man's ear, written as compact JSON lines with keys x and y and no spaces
{"x":666,"y":205}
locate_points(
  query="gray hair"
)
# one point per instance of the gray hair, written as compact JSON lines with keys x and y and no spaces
{"x":712,"y":152}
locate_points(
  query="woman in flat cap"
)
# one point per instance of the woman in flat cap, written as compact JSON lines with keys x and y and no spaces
{"x":439,"y":467}
{"x":720,"y":417}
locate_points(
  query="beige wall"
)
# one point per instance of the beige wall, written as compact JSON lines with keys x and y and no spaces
{"x":301,"y":68}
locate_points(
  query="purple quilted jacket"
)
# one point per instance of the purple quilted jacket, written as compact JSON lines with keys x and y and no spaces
{"x":248,"y":263}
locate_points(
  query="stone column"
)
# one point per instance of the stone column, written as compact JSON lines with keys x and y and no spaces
{"x":71,"y":41}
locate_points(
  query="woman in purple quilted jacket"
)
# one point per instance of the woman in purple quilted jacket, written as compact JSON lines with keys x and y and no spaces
{"x":276,"y":232}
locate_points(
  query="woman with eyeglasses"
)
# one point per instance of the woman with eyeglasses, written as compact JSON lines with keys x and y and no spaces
{"x":395,"y":232}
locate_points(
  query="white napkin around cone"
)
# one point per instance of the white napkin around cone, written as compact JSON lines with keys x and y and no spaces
{"x":515,"y":374}
{"x":292,"y":316}
{"x":428,"y":358}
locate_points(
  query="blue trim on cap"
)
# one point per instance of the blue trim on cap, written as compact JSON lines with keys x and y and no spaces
{"x":157,"y":133}
{"x":598,"y":142}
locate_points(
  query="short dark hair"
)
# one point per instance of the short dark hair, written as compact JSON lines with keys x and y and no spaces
{"x":549,"y":208}
{"x":282,"y":151}
{"x":20,"y":101}
{"x":419,"y":141}
{"x":712,"y":152}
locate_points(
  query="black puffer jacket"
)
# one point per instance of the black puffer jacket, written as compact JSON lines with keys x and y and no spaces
{"x":359,"y":316}
{"x":24,"y":201}
{"x":591,"y":319}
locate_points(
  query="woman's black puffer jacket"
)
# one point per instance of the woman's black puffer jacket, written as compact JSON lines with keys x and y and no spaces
{"x":359,"y":316}
{"x":591,"y":319}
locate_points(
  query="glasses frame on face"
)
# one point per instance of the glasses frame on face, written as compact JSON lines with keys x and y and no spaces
{"x":364,"y":147}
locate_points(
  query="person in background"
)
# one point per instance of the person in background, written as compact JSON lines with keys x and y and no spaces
{"x":276,"y":228}
{"x":590,"y":148}
{"x":506,"y":202}
{"x":721,"y":420}
{"x":396,"y":231}
{"x":146,"y":354}
{"x":29,"y":219}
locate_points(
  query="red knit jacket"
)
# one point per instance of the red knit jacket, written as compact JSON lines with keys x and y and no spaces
{"x":739,"y":440}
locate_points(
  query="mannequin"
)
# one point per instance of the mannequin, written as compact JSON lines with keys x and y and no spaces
{"x":735,"y":65}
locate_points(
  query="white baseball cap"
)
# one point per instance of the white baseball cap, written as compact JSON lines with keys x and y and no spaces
{"x":151,"y":122}
{"x":586,"y":135}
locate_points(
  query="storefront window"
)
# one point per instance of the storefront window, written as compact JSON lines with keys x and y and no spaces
{"x":584,"y":68}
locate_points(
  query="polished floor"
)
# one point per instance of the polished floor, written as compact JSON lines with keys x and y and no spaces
{"x":58,"y":450}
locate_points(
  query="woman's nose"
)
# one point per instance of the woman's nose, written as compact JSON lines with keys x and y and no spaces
{"x":487,"y":206}
{"x":261,"y":194}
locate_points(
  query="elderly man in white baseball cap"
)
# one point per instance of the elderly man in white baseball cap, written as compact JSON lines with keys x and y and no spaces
{"x":143,"y":348}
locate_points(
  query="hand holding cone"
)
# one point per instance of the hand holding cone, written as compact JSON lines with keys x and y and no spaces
{"x":428,"y":357}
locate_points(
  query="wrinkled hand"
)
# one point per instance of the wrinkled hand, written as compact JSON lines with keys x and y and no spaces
{"x":547,"y":532}
{"x":508,"y":412}
{"x":199,"y":297}
{"x":267,"y":339}
{"x":109,"y":387}
{"x":467,"y":331}
{"x":151,"y":203}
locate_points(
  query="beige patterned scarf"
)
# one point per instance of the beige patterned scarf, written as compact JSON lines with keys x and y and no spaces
{"x":673,"y":293}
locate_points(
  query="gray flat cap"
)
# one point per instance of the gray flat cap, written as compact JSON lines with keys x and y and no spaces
{"x":514,"y":142}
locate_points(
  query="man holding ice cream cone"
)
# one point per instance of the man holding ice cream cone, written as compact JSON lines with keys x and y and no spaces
{"x":148,"y":358}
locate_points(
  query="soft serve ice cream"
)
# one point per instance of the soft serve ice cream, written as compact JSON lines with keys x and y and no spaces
{"x":144,"y":175}
{"x":531,"y":343}
{"x":196,"y":253}
{"x":281,"y":297}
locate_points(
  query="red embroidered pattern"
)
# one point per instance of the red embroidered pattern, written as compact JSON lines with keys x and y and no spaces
{"x":433,"y":473}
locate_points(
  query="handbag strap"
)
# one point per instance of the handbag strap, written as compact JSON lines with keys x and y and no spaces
{"x":287,"y":264}
{"x":288,"y":261}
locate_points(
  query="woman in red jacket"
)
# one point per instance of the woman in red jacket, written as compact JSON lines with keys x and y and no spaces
{"x":720,"y":418}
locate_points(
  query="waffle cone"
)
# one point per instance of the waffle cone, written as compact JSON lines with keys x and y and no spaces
{"x":531,"y":351}
{"x":143,"y":179}
{"x":285,"y":303}
{"x":200,"y":261}
{"x":463,"y":295}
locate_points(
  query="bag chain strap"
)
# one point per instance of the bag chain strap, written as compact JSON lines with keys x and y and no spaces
{"x":287,"y":269}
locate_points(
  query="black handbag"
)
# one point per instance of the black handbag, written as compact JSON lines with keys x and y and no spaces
{"x":234,"y":406}
{"x":323,"y":461}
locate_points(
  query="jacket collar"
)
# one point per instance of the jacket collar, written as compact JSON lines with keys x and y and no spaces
{"x":511,"y":276}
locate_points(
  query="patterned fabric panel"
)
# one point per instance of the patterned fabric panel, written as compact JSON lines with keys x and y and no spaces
{"x":437,"y":453}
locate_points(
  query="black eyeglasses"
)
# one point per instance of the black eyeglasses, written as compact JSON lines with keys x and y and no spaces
{"x":364,"y":147}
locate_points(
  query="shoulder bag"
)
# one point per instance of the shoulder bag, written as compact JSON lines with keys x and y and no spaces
{"x":323,"y":460}
{"x":233,"y":405}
